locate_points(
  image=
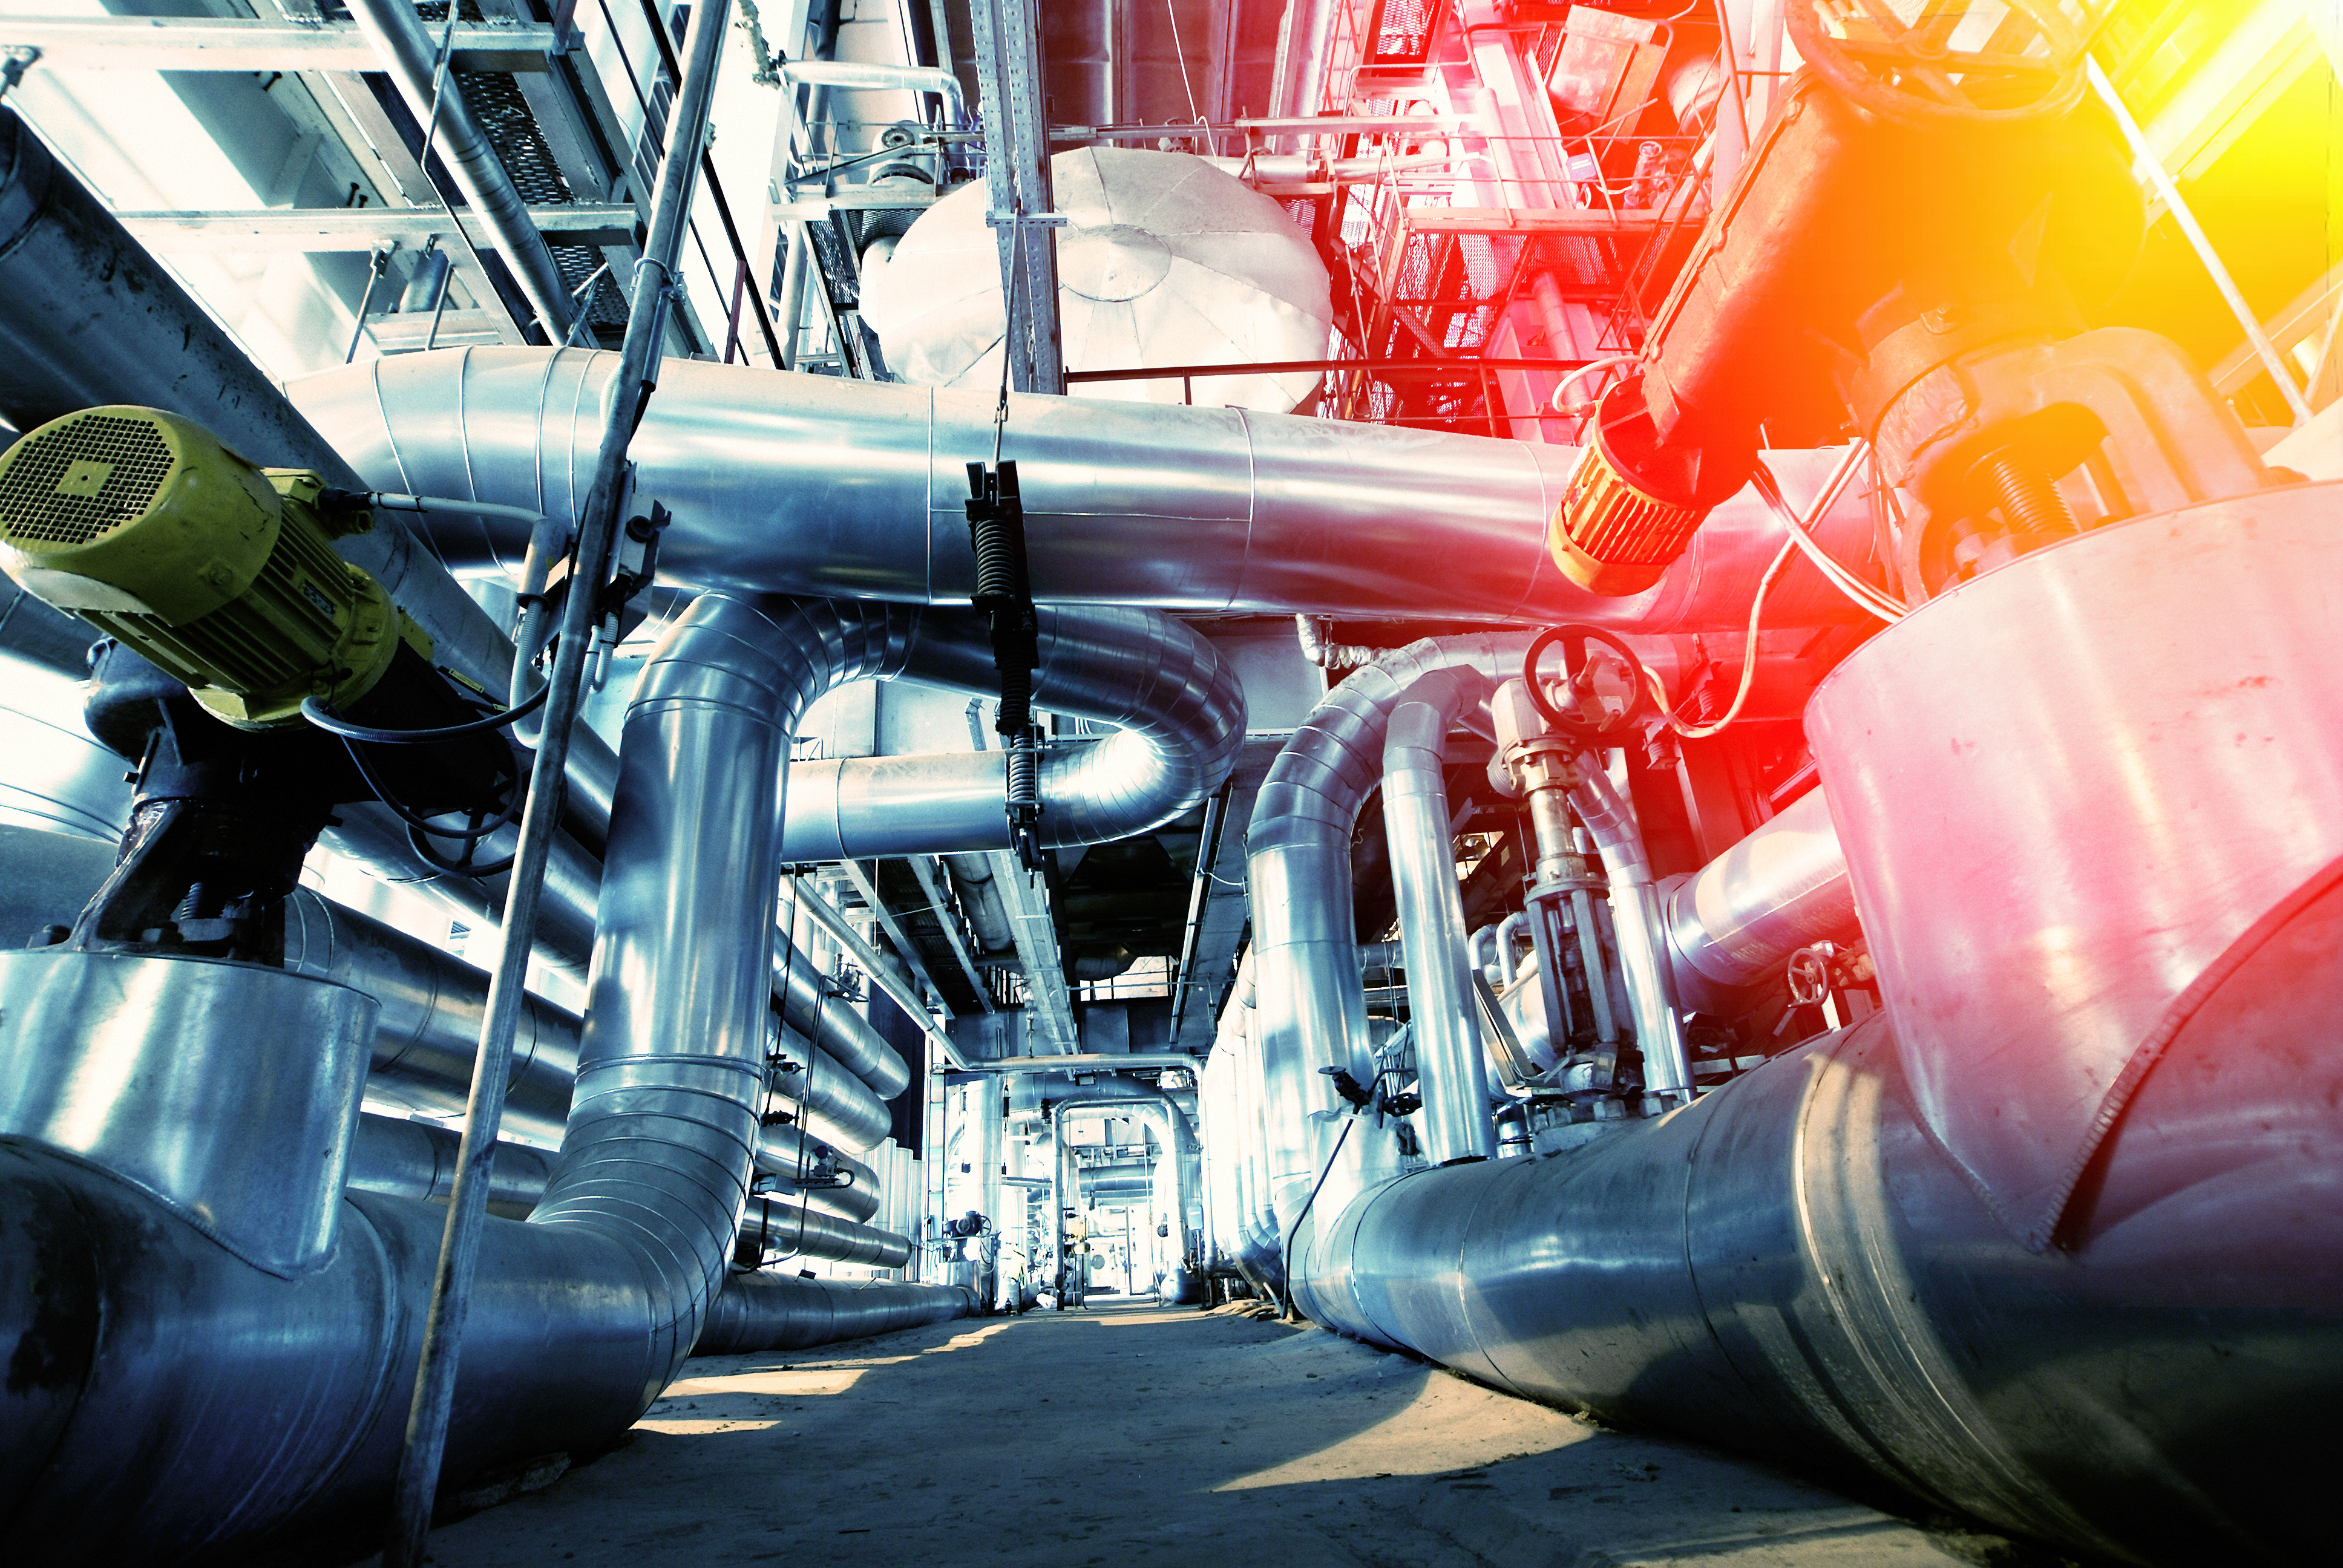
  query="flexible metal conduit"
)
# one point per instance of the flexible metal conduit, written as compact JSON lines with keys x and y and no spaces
{"x":787,"y":484}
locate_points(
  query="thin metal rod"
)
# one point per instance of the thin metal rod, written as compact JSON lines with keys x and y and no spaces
{"x":377,"y":264}
{"x":1284,"y":366}
{"x":826,"y":916}
{"x":451,"y":1287}
{"x":2264,"y":349}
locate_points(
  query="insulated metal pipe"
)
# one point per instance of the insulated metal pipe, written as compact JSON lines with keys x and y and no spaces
{"x":766,"y":1312}
{"x":1451,"y":1064}
{"x":428,"y":1036}
{"x":411,"y":58}
{"x":785,"y":484}
{"x":832,"y":1023}
{"x":1312,"y":1012}
{"x":402,"y":1159}
{"x":795,"y":1229}
{"x":1159,"y":1110}
{"x":1793,"y":1267}
{"x":1736,"y":920}
{"x":1641,"y":926}
{"x":837,"y":1105}
{"x":788,"y":1156}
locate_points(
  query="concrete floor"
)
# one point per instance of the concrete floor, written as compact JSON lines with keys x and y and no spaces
{"x":1133,"y":1435}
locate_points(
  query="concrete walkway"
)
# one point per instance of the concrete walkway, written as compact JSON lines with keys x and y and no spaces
{"x":1135,"y":1435}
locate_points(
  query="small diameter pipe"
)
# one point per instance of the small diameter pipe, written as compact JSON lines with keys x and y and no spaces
{"x":435,"y":1373}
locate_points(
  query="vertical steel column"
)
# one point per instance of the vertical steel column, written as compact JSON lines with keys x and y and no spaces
{"x":1019,"y":206}
{"x":451,"y":1287}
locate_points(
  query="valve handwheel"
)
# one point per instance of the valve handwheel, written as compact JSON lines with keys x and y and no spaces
{"x":1574,"y":639}
{"x":1904,"y":71}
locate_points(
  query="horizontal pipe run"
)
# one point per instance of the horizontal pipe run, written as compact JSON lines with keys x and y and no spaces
{"x":780,"y":1311}
{"x":402,"y":1159}
{"x":788,"y":1157}
{"x":1737,"y":919}
{"x":1135,"y":1062}
{"x":795,"y":1229}
{"x":816,"y":485}
{"x":808,"y":1006}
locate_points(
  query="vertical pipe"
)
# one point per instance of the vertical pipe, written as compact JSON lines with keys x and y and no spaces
{"x":987,"y":1093}
{"x":434,"y":1374}
{"x":793,"y":281}
{"x":1450,"y":1065}
{"x":1641,"y":926}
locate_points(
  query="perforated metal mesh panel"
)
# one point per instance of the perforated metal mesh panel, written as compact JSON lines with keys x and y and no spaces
{"x":67,"y":486}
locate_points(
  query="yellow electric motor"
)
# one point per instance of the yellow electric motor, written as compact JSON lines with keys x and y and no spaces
{"x":222,"y":574}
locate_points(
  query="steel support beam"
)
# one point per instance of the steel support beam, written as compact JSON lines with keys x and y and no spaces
{"x":923,"y":871}
{"x":361,"y":228}
{"x":1017,"y":182}
{"x":1037,"y":952}
{"x":210,"y":43}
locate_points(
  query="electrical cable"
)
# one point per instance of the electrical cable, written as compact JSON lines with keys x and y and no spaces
{"x":314,"y":710}
{"x":1871,"y":600}
{"x":1285,"y":1253}
{"x":1830,"y":491}
{"x":1572,"y":377}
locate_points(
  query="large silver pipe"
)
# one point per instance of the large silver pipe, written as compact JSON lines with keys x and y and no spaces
{"x":788,"y":1158}
{"x":832,"y":1023}
{"x":796,"y":1229}
{"x":1831,"y":1288}
{"x":402,"y":1159}
{"x":834,"y":1103}
{"x":775,"y":1311}
{"x":1311,"y":1012}
{"x":1637,"y":920}
{"x":1452,"y":1066}
{"x":815,"y":485}
{"x":1737,"y":919}
{"x":410,"y":54}
{"x":1179,"y":719}
{"x":428,"y":1032}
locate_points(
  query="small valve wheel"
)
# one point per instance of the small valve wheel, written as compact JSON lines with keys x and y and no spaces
{"x":1587,"y":718}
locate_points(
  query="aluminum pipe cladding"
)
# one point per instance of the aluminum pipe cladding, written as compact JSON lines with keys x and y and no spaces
{"x":787,"y":485}
{"x":683,"y":952}
{"x":1451,"y":1064}
{"x":427,"y":1034}
{"x":1737,"y":919}
{"x":402,"y":1159}
{"x":795,"y":1229}
{"x":1311,"y":1011}
{"x":768,"y":1311}
{"x":808,"y":1006}
{"x":1176,"y":710}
